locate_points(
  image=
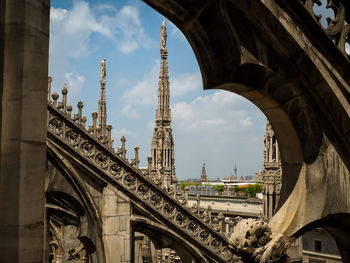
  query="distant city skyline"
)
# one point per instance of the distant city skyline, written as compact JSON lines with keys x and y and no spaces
{"x":219,"y":127}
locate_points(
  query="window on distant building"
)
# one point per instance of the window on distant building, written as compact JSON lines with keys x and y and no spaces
{"x":318,"y":246}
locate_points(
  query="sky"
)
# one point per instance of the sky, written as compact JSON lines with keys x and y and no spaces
{"x":215,"y":127}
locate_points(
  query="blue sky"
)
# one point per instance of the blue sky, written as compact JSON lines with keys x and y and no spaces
{"x":216,"y":127}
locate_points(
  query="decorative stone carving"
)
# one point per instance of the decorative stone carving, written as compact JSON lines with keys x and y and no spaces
{"x":338,"y":29}
{"x":78,"y":254}
{"x":89,"y":148}
{"x":252,"y":239}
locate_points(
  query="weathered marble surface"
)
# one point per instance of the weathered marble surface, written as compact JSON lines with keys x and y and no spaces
{"x":24,"y":43}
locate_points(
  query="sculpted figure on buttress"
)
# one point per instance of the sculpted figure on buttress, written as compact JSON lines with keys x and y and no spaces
{"x":163,"y":35}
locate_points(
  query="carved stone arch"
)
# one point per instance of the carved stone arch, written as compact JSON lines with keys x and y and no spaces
{"x":297,"y":77}
{"x":63,"y":210}
{"x":265,"y":39}
{"x":163,"y":237}
{"x":338,"y":226}
{"x":93,"y":215}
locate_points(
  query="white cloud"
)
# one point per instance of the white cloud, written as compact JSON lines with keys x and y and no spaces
{"x":71,"y":31}
{"x":127,"y":25}
{"x":73,"y":28}
{"x":145,"y":90}
{"x":57,"y":14}
{"x":130,"y":112}
{"x":75,"y":82}
{"x":347,"y":48}
{"x":117,"y":134}
{"x":246,"y":122}
{"x":221,"y":128}
{"x":185,"y":83}
{"x":214,"y":113}
{"x":121,"y":82}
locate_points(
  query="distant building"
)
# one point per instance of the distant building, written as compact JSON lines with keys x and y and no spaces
{"x":203,"y":175}
{"x":257,"y":177}
{"x":233,"y":179}
{"x":319,"y":246}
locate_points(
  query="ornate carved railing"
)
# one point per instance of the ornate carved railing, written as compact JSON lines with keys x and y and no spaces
{"x":70,"y":132}
{"x":338,"y":29}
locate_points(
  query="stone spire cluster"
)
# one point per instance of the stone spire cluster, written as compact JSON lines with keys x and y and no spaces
{"x":272,"y":172}
{"x":161,"y":161}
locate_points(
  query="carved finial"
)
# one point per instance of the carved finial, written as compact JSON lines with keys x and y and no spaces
{"x":136,"y":160}
{"x":77,"y":117}
{"x":93,"y":127}
{"x":69,"y":109}
{"x":83,"y":120}
{"x":122,"y":151}
{"x":65,"y":89}
{"x":109,"y":135}
{"x":80,"y":104}
{"x":54,"y":96}
{"x":62,"y":105}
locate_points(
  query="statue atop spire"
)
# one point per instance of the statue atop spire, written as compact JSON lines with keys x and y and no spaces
{"x":163,"y":36}
{"x":102,"y":107}
{"x":103,"y":70}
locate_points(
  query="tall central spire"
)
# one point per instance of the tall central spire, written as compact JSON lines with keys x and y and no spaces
{"x":162,"y":152}
{"x":163,"y":111}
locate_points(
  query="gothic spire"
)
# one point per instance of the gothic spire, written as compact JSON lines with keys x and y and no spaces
{"x":163,"y":116}
{"x":162,"y":150}
{"x":102,"y":108}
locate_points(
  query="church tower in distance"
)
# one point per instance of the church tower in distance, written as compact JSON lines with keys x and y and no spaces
{"x":162,"y":149}
{"x":203,"y":175}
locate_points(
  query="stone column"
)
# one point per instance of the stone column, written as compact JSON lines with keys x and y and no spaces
{"x":115,"y":211}
{"x":24,"y":45}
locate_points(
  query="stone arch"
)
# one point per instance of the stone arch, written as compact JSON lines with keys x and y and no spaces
{"x":338,"y":226}
{"x":293,"y":79}
{"x":234,"y":56}
{"x":62,"y":211}
{"x":86,"y":206}
{"x":163,"y":237}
